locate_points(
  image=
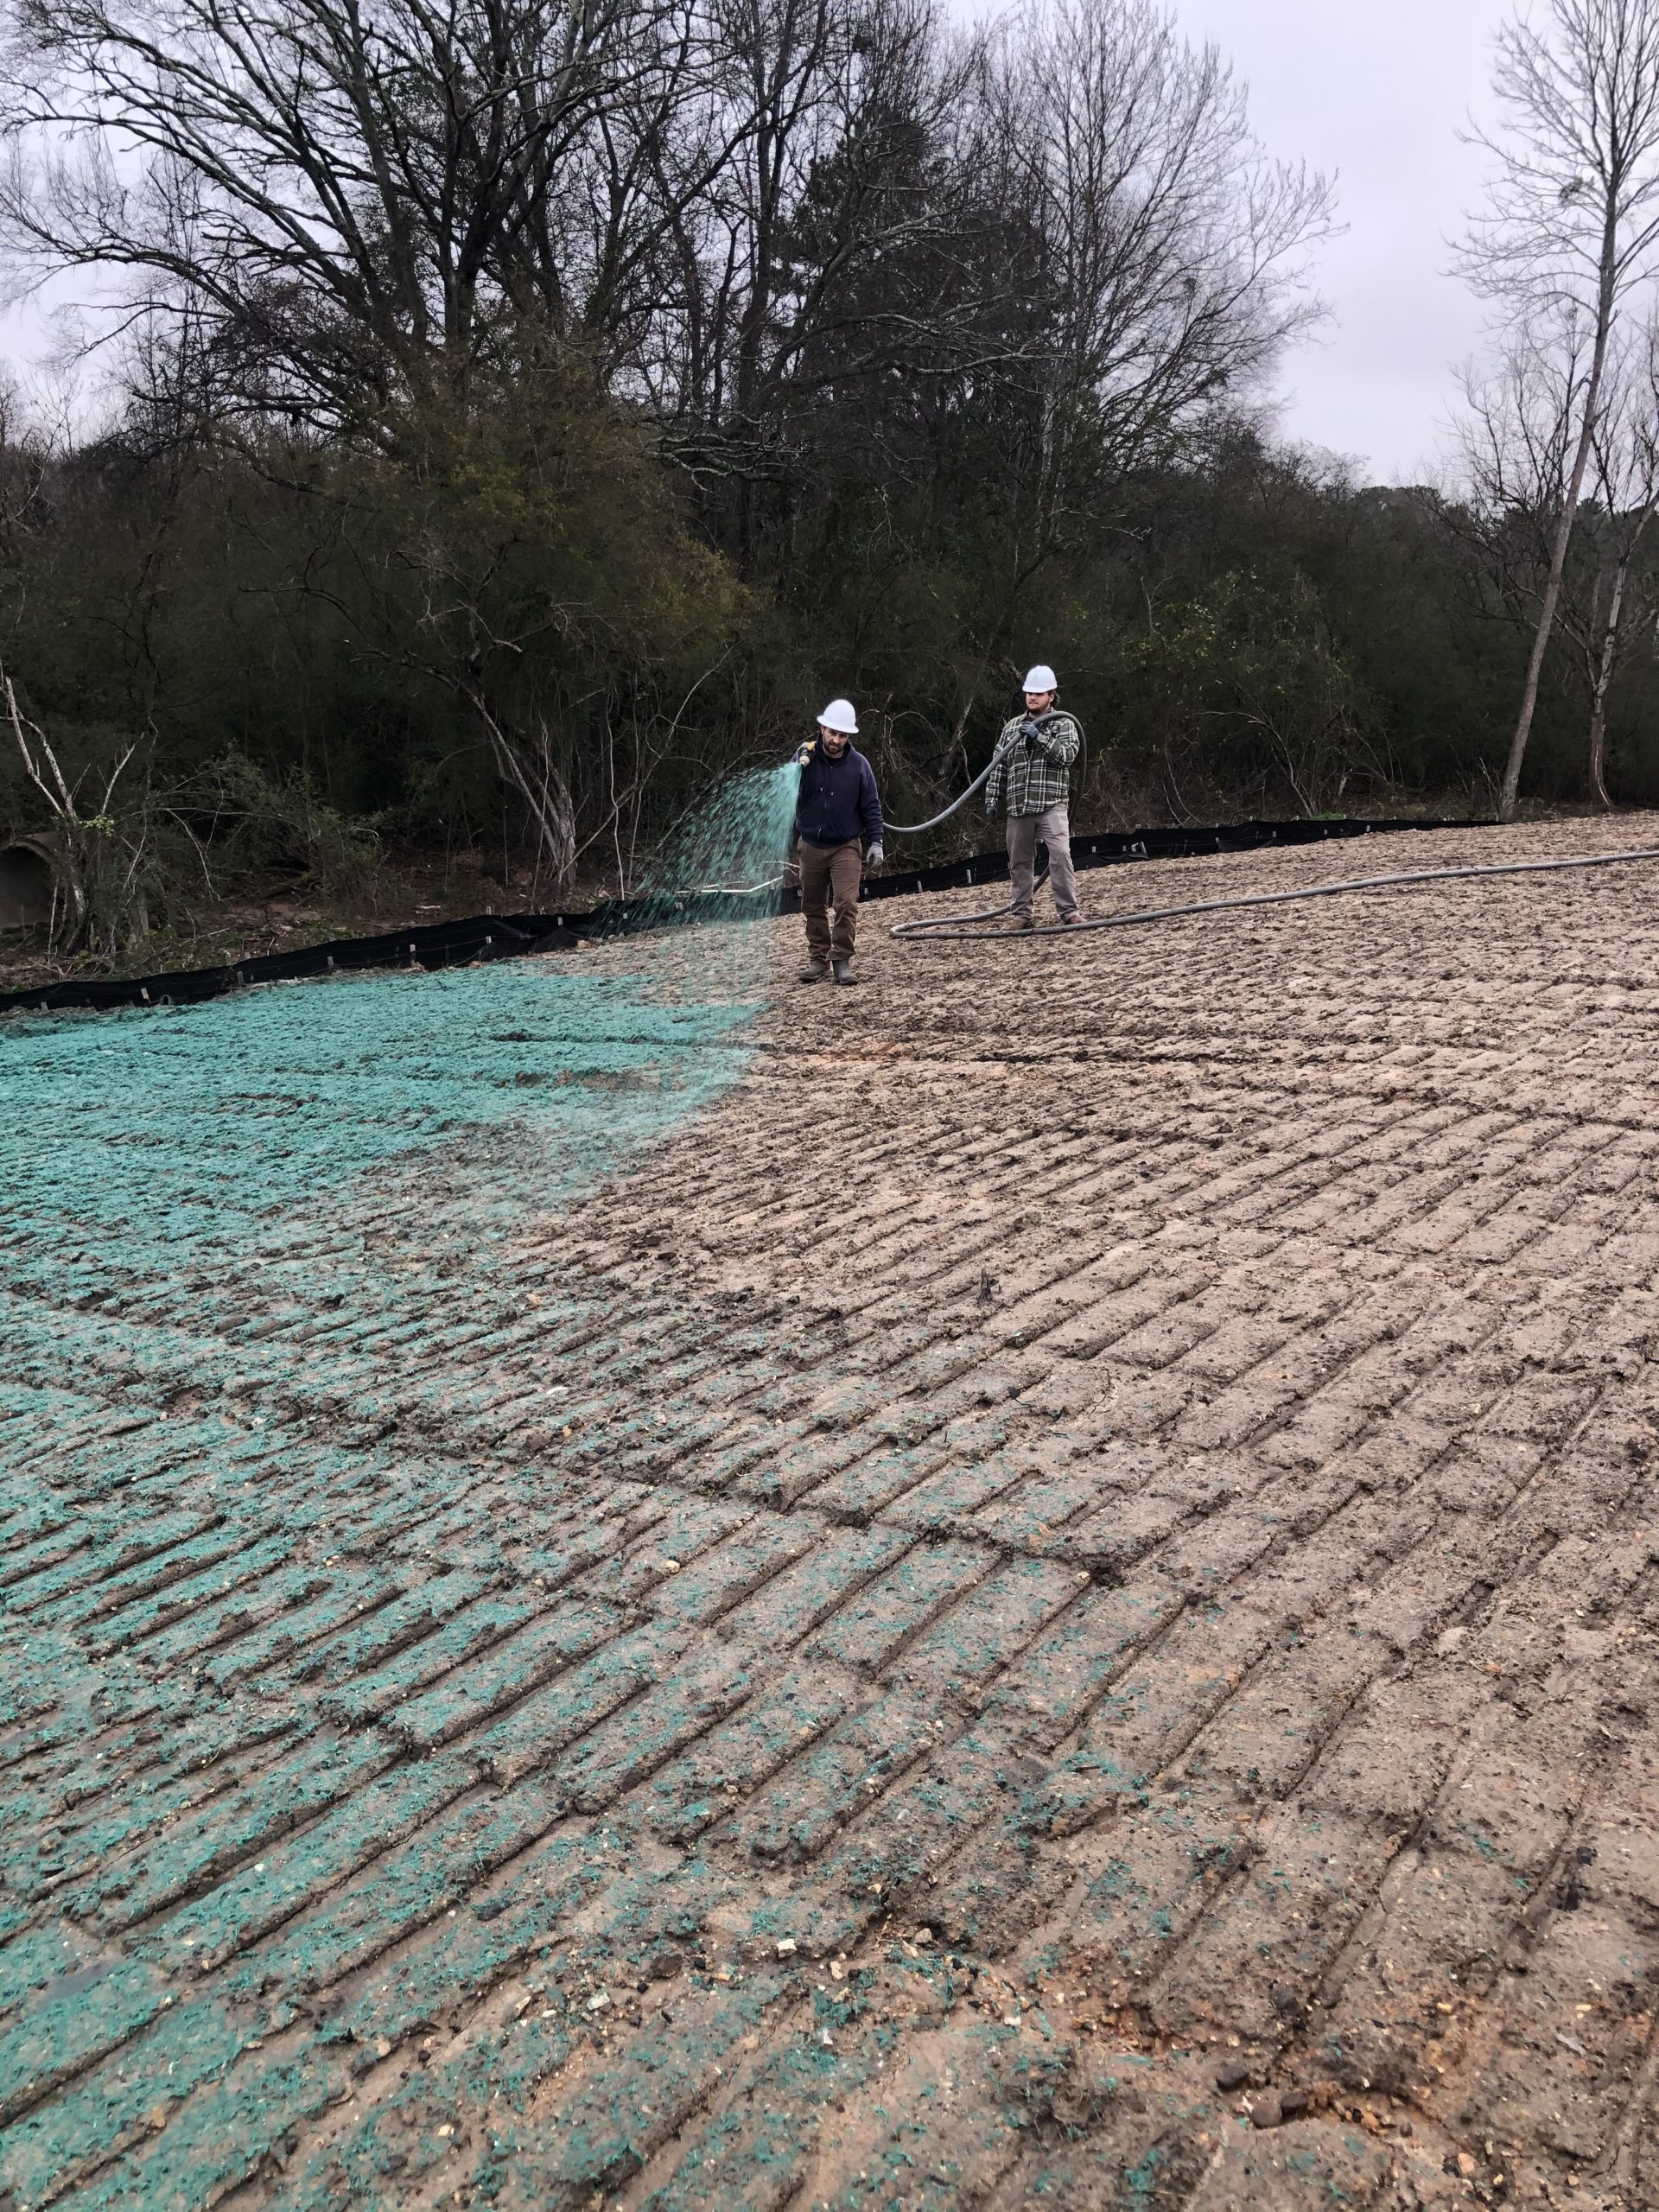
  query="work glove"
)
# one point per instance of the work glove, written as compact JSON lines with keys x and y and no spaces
{"x":804,"y":753}
{"x":874,"y":857}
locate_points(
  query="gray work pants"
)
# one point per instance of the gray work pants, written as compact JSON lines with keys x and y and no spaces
{"x":1055,"y":830}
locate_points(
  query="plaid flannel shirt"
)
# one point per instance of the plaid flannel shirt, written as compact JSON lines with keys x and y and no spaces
{"x":1028,"y":778}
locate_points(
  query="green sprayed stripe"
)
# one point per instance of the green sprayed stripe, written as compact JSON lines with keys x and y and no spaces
{"x":181,"y":1598}
{"x":402,"y":1891}
{"x":503,"y":1674}
{"x":536,"y":1731}
{"x":369,"y":1695}
{"x":181,"y":2047}
{"x":258,"y":1812}
{"x":251,"y":1903}
{"x":67,"y":2034}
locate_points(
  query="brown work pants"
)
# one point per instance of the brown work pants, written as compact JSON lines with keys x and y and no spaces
{"x":1054,"y":830}
{"x":831,"y":873}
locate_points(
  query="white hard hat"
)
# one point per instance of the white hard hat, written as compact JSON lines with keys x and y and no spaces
{"x":839,"y":714}
{"x":1040,"y":679}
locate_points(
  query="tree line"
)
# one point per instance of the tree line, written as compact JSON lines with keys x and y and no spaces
{"x":518,"y":412}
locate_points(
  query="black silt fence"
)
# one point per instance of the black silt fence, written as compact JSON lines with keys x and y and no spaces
{"x":508,"y":936}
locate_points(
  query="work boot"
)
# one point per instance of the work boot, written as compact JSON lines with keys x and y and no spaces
{"x":814,"y":972}
{"x":845,"y":972}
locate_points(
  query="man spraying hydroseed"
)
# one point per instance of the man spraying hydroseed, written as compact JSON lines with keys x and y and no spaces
{"x":837,"y":815}
{"x":1031,"y":779}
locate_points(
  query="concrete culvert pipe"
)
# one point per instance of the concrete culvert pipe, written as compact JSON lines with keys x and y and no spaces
{"x":29,"y":889}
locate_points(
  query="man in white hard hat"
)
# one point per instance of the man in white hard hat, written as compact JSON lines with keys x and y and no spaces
{"x":837,"y":817}
{"x":1030,"y":780}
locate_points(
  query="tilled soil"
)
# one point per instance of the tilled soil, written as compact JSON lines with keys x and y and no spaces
{"x":1050,"y":1600}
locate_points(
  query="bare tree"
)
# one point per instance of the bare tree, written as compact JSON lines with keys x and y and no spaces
{"x":1512,"y":442}
{"x":1625,"y":464}
{"x":1572,"y":225}
{"x":26,"y":457}
{"x":833,"y":259}
{"x":349,"y":202}
{"x":1515,"y":443}
{"x":1168,"y":253}
{"x":98,"y":880}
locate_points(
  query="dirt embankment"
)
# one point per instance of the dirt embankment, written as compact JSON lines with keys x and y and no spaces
{"x":1053,"y":1600}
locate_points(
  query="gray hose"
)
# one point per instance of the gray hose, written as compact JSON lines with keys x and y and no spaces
{"x":915,"y":829}
{"x":945,"y":929}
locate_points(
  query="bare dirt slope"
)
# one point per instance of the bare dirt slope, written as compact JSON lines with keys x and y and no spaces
{"x":1051,"y":1601}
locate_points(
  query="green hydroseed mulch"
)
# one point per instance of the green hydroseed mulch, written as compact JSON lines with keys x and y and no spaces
{"x":247,"y":1246}
{"x":209,"y":1127}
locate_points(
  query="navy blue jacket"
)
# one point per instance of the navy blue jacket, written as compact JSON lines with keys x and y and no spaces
{"x":837,"y":800}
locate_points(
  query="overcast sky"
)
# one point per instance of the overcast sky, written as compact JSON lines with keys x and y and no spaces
{"x":1375,"y":91}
